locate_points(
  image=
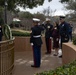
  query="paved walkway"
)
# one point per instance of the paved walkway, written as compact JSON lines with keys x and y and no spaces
{"x":23,"y":61}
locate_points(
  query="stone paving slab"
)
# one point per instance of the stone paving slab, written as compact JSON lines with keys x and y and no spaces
{"x":24,"y":60}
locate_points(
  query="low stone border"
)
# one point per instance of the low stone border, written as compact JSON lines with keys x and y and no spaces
{"x":23,"y":44}
{"x":68,"y":52}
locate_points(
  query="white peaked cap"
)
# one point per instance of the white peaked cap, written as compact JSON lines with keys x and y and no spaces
{"x":36,"y":20}
{"x":16,"y":19}
{"x":47,"y":19}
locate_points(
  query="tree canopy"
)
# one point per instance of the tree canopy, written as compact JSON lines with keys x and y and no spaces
{"x":12,"y":4}
{"x":26,"y":14}
{"x":71,"y":5}
{"x":62,"y":1}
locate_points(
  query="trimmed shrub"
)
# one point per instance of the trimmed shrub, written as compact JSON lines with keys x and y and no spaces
{"x":74,"y":41}
{"x":69,"y":69}
{"x":17,"y":33}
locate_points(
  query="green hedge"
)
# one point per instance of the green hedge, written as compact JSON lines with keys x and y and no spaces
{"x":69,"y":69}
{"x":17,"y":33}
{"x":74,"y":40}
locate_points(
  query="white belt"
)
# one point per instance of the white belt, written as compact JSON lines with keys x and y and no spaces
{"x":37,"y":36}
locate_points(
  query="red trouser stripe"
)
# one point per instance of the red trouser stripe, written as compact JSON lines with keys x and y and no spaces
{"x":50,"y":45}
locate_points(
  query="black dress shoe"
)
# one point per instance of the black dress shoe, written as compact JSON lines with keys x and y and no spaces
{"x":54,"y":54}
{"x":32,"y":65}
{"x":47,"y":52}
{"x":35,"y":66}
{"x":60,"y":56}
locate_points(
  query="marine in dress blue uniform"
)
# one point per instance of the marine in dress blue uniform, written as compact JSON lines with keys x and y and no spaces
{"x":64,"y":31}
{"x":1,"y":32}
{"x":36,"y":42}
{"x":48,"y":35}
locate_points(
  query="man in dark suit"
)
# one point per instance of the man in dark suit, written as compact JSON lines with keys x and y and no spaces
{"x":64,"y":31}
{"x":36,"y":42}
{"x":70,"y":30}
{"x":48,"y":35}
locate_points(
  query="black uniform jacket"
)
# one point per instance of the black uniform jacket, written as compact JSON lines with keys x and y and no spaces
{"x":64,"y":31}
{"x":49,"y":29}
{"x":36,"y":31}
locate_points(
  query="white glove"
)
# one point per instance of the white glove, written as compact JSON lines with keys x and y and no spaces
{"x":38,"y":23}
{"x":59,"y":52}
{"x":57,"y":39}
{"x":50,"y":37}
{"x":43,"y":22}
{"x":32,"y":44}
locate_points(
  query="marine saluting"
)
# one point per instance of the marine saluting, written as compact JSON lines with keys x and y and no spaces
{"x":48,"y":35}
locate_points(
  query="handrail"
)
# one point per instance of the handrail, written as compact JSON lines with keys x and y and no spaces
{"x":1,"y":42}
{"x":6,"y":57}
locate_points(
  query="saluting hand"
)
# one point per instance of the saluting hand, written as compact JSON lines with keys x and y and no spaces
{"x":32,"y":44}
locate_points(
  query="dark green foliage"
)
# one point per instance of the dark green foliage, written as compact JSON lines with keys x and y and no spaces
{"x":27,"y":15}
{"x":69,"y":69}
{"x":17,"y":33}
{"x":1,"y":21}
{"x":12,"y":4}
{"x":62,"y":1}
{"x":1,"y":16}
{"x":74,"y":41}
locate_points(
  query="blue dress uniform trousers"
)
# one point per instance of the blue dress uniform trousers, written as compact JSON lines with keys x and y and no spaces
{"x":0,"y":37}
{"x":37,"y":55}
{"x":1,"y":34}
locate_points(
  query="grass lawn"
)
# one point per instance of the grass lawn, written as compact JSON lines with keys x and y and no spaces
{"x":20,"y":30}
